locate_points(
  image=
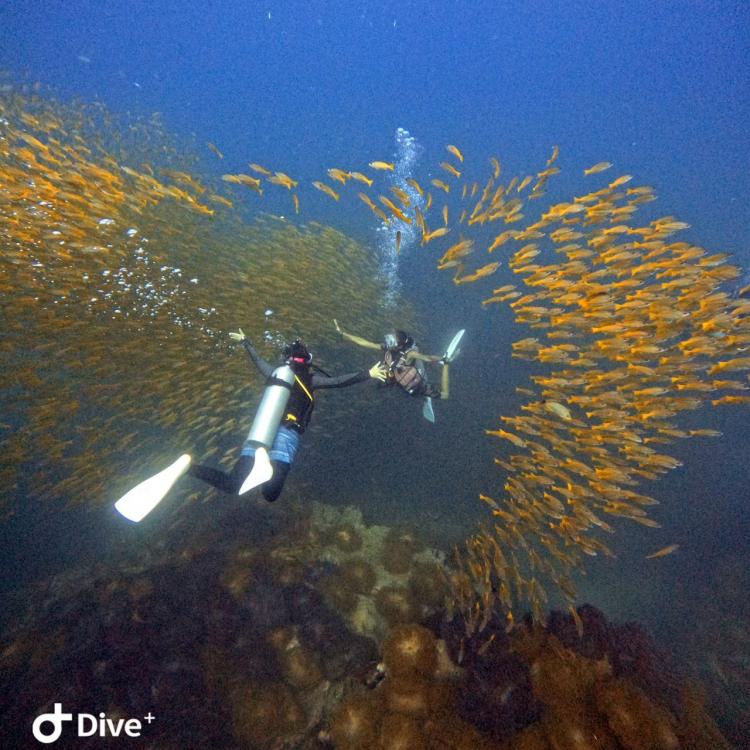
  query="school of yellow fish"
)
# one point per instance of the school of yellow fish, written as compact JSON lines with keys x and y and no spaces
{"x":106,"y":284}
{"x":633,"y":327}
{"x":121,"y":275}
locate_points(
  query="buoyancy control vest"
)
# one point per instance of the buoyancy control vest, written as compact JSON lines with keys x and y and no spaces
{"x":404,"y":374}
{"x":301,"y":403}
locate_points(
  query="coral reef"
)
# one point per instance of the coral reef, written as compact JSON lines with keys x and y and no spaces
{"x":356,"y":722}
{"x":410,"y":650}
{"x":272,"y":642}
{"x":264,"y":713}
{"x":399,"y":548}
{"x":346,"y":537}
{"x":227,"y":640}
{"x":394,"y":604}
{"x":526,"y":690}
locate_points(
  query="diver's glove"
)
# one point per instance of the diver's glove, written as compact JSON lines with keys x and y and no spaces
{"x":379,"y":372}
{"x":239,"y":337}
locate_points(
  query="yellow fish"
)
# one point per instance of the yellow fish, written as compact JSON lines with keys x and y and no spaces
{"x":366,"y":199}
{"x":402,"y":196}
{"x":416,"y":186}
{"x":621,"y":180}
{"x":440,"y":184}
{"x":383,"y":165}
{"x":517,"y":441}
{"x":480,"y":273}
{"x":455,"y":151}
{"x":279,"y":178}
{"x":339,"y":175}
{"x":557,"y":408}
{"x":260,"y":170}
{"x":524,"y":183}
{"x":450,"y":168}
{"x":663,"y":552}
{"x":459,"y":250}
{"x":212,"y":147}
{"x":327,"y":189}
{"x":362,"y":178}
{"x":395,"y":210}
{"x":439,"y":232}
{"x":599,"y":167}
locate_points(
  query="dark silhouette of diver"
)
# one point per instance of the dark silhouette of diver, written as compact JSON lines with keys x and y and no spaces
{"x":273,"y":441}
{"x":405,"y":365}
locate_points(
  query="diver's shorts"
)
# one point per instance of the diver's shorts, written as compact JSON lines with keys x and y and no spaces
{"x":284,"y":448}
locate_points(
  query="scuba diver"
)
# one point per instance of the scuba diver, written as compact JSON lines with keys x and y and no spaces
{"x":273,"y":441}
{"x":405,"y":367}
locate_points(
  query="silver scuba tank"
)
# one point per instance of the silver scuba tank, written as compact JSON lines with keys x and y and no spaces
{"x":271,"y":407}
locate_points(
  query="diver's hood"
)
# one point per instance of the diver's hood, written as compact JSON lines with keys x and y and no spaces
{"x":297,"y":353}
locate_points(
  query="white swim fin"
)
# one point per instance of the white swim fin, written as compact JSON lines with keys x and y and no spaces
{"x":261,"y":472}
{"x":453,"y":351}
{"x":144,"y":497}
{"x":427,"y":411}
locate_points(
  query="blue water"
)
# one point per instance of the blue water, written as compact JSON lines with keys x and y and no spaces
{"x":659,"y":89}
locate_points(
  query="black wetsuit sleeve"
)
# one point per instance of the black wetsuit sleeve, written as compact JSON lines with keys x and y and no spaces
{"x":340,"y":381}
{"x":258,"y":361}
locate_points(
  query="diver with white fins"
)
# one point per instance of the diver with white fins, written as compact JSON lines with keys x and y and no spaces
{"x":273,"y":441}
{"x":405,"y":365}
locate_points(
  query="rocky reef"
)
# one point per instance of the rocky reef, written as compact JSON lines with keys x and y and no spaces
{"x":320,"y":631}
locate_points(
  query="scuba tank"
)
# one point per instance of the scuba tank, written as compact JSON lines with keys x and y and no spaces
{"x":266,"y":425}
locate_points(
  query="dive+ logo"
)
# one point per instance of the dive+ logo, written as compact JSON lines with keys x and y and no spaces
{"x":87,"y":725}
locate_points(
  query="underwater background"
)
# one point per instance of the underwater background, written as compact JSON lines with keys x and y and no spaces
{"x":660,"y":90}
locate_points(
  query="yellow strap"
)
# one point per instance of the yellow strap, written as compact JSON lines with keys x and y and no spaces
{"x":302,"y":386}
{"x":291,"y":417}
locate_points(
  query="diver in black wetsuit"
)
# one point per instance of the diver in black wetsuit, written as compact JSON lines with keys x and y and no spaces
{"x":276,"y":430}
{"x":297,"y":416}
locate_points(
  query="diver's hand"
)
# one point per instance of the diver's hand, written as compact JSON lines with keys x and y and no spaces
{"x":240,"y":336}
{"x":379,"y":372}
{"x":336,"y":323}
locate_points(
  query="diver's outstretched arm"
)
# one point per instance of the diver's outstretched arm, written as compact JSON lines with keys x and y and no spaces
{"x":358,"y":340}
{"x":265,"y":368}
{"x":424,"y":357}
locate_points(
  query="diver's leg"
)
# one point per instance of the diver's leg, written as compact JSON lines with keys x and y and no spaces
{"x":272,"y":488}
{"x":228,"y":483}
{"x":444,"y":382}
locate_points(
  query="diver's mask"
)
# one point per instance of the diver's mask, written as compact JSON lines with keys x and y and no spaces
{"x":297,"y":354}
